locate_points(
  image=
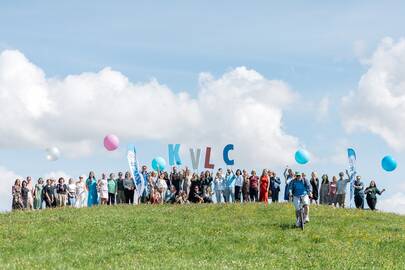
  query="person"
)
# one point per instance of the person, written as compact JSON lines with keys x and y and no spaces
{"x":38,"y":198}
{"x":49,"y":196}
{"x":288,"y":177}
{"x":17,"y":203}
{"x":153,"y":179}
{"x":197,"y":197}
{"x":55,"y":192}
{"x":371,"y":194}
{"x":80,"y":193}
{"x":30,"y":201}
{"x":218,"y":187}
{"x":206,"y":183}
{"x":229,"y":184}
{"x":102,"y":186}
{"x":238,"y":185}
{"x":170,"y":196}
{"x":315,"y":187}
{"x":254,"y":187}
{"x":161,"y":186}
{"x":264,"y":187}
{"x":245,"y":186}
{"x":155,"y":198}
{"x":187,"y":181}
{"x":175,"y":178}
{"x":300,"y":190}
{"x":91,"y":186}
{"x":332,"y":191}
{"x":275,"y":183}
{"x":120,"y":189}
{"x":71,"y":193}
{"x":146,"y":192}
{"x":61,"y":190}
{"x":112,"y":189}
{"x":129,"y":188}
{"x":182,"y":198}
{"x":324,"y":191}
{"x":358,"y":187}
{"x":24,"y":194}
{"x":341,"y":187}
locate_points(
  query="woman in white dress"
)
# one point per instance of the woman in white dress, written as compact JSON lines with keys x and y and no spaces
{"x":162,"y":186}
{"x":103,"y":189}
{"x":30,"y":204}
{"x":80,"y":193}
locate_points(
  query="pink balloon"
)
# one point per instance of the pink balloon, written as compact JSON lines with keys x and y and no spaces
{"x":111,"y":142}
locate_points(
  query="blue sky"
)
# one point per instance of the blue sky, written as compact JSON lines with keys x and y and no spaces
{"x":311,"y":46}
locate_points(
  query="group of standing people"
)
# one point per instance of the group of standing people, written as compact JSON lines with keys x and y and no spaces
{"x":184,"y":186}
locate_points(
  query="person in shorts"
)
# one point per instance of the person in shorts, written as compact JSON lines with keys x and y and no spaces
{"x":300,"y":187}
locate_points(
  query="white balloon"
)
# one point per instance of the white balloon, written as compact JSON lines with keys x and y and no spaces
{"x":52,"y":153}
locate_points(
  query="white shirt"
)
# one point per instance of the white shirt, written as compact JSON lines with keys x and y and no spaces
{"x":239,"y":180}
{"x":218,"y":183}
{"x":79,"y":188}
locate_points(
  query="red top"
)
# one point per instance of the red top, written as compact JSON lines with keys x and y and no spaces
{"x":254,"y":181}
{"x":264,"y":182}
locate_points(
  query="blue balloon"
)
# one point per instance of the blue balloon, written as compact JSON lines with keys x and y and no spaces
{"x":158,"y":164}
{"x":389,"y":163}
{"x":302,"y":156}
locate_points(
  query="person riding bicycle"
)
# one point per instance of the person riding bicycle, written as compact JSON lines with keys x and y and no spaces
{"x":300,"y":188}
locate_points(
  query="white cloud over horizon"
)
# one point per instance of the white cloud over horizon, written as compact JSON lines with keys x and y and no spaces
{"x":74,"y":113}
{"x":394,"y":203}
{"x":378,"y":104}
{"x":7,"y":181}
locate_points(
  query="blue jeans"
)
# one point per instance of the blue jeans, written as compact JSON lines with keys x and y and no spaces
{"x":229,"y":194}
{"x":72,"y":201}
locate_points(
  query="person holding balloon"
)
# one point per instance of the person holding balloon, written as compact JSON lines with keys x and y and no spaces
{"x":371,"y":193}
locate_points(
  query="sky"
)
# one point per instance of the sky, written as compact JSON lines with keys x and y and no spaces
{"x":268,"y":77}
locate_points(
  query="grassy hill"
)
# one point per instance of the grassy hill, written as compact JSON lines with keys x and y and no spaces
{"x":250,"y":236}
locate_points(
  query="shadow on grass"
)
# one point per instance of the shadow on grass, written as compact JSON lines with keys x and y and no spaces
{"x":287,"y":226}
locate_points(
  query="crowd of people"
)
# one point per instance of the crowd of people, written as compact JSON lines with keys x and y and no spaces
{"x":184,"y":186}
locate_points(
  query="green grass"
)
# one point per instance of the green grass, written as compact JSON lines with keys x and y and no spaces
{"x":250,"y":236}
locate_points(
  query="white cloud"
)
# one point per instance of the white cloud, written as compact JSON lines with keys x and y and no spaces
{"x":56,"y":175}
{"x":378,"y":105}
{"x":395,"y":203}
{"x":74,"y":113}
{"x":7,"y":181}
